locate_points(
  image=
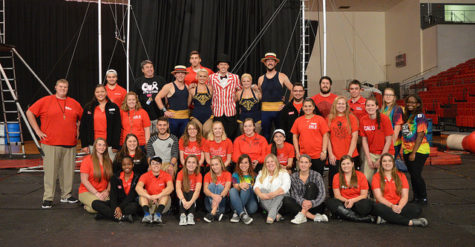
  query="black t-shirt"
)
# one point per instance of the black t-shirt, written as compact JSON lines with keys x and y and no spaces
{"x":147,"y":88}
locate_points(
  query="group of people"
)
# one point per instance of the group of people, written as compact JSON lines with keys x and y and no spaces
{"x":198,"y":139}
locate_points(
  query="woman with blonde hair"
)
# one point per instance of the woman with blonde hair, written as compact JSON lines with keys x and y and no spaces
{"x":201,"y":98}
{"x":96,"y":171}
{"x":272,"y":183}
{"x":343,"y":136}
{"x":135,"y":120}
{"x":216,"y":185}
{"x":188,"y":187}
{"x":249,"y":100}
{"x":218,"y":144}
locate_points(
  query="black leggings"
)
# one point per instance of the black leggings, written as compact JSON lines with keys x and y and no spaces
{"x":291,"y":206}
{"x":188,"y":195}
{"x":415,"y":170}
{"x":332,"y":170}
{"x":409,"y":212}
{"x":362,"y":207}
{"x":318,"y":165}
{"x":104,"y":208}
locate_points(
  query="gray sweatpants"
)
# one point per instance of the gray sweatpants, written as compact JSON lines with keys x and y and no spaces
{"x":272,"y":206}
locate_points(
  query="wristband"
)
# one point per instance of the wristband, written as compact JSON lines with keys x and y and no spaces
{"x":164,"y":109}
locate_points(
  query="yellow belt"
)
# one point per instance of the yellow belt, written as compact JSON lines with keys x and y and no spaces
{"x":181,"y":114}
{"x":271,"y":106}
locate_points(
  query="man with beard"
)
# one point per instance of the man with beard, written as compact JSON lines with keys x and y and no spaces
{"x":195,"y":61}
{"x":147,"y":88}
{"x":115,"y":92}
{"x":225,"y":85}
{"x":272,"y":85}
{"x":324,"y":99}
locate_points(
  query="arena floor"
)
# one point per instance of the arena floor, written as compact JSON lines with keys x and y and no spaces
{"x":451,"y":214}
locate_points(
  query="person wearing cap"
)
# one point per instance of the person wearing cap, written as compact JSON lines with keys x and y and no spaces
{"x":191,"y":78}
{"x":115,"y":92}
{"x":273,"y":85}
{"x":293,"y":110}
{"x":283,"y":150}
{"x":225,"y":85}
{"x":178,"y":99}
{"x":325,"y":98}
{"x":154,"y":189}
{"x":147,"y":88}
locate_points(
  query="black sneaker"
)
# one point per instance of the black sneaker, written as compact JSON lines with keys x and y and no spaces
{"x":71,"y":200}
{"x":219,"y":216}
{"x":128,"y":218}
{"x":47,"y":204}
{"x":99,"y":216}
{"x":422,"y":201}
{"x":209,"y":218}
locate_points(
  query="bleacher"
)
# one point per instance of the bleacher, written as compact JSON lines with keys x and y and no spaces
{"x":450,"y":95}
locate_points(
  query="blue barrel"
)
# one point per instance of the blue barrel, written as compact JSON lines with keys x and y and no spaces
{"x":14,"y":137}
{"x":429,"y":131}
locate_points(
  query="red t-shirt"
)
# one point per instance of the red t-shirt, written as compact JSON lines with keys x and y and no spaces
{"x":254,"y":146}
{"x":100,"y":123}
{"x":60,"y":128}
{"x":352,"y":192}
{"x":134,"y":122}
{"x":116,"y":95}
{"x":192,"y":148}
{"x":358,"y":107}
{"x":191,"y":76}
{"x":376,"y":137}
{"x":88,"y":168}
{"x":298,"y":107}
{"x":222,"y":180}
{"x":324,"y":104}
{"x":340,"y":138}
{"x":389,"y":192}
{"x":126,"y":184}
{"x":155,"y":185}
{"x":221,"y":149}
{"x":192,"y":178}
{"x":284,"y":153}
{"x":310,"y":133}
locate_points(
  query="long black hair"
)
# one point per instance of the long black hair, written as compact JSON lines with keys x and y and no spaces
{"x":409,"y":115}
{"x":93,"y":102}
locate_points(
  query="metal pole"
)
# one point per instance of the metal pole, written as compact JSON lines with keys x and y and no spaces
{"x":31,"y":70}
{"x":20,"y":110}
{"x":324,"y":38}
{"x":99,"y":37}
{"x":128,"y":45}
{"x":303,"y":42}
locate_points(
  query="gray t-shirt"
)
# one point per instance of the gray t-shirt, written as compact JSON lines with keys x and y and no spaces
{"x":164,"y":148}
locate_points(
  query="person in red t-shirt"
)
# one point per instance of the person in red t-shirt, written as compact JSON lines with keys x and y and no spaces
{"x":59,"y":116}
{"x":135,"y":120}
{"x":154,"y":189}
{"x":115,"y":92}
{"x":343,"y":136}
{"x":188,"y":187}
{"x":122,"y":204}
{"x":217,"y":183}
{"x":350,"y":188}
{"x":377,"y":132}
{"x":356,"y":102}
{"x":391,"y":191}
{"x":252,"y":144}
{"x":96,"y":171}
{"x":218,"y":144}
{"x":101,"y":118}
{"x":311,"y":136}
{"x":195,"y":61}
{"x":283,"y":150}
{"x":325,"y":98}
{"x":192,"y":143}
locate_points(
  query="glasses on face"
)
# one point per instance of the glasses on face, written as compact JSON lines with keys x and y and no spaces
{"x":191,"y":128}
{"x":390,"y":95}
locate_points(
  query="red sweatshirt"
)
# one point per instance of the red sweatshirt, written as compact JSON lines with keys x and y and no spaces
{"x":254,"y":146}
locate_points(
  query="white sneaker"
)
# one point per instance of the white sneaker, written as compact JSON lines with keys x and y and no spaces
{"x":182,"y":220}
{"x":235,"y":218}
{"x":320,"y":218}
{"x":299,"y":219}
{"x":191,"y":219}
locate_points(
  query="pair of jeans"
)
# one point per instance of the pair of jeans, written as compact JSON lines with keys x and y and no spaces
{"x":243,"y":200}
{"x":215,"y":189}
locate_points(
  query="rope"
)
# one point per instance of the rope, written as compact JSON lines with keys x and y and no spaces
{"x":77,"y":41}
{"x":290,"y":39}
{"x":140,"y":34}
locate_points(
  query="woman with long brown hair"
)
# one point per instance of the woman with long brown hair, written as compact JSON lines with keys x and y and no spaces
{"x":391,"y":191}
{"x":192,"y":143}
{"x":188,"y":187}
{"x":96,"y":171}
{"x":131,"y":148}
{"x":243,"y":199}
{"x":135,"y":120}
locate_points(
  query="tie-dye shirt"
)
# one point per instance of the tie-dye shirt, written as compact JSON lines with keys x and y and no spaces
{"x":246,"y":178}
{"x":395,"y":115}
{"x":409,"y":134}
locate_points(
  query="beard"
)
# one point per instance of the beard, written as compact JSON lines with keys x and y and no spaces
{"x":325,"y":91}
{"x":270,"y":69}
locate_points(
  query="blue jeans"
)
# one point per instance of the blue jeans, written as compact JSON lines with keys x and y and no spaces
{"x":267,"y":118}
{"x":177,"y":126}
{"x":243,"y":199}
{"x":215,"y":189}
